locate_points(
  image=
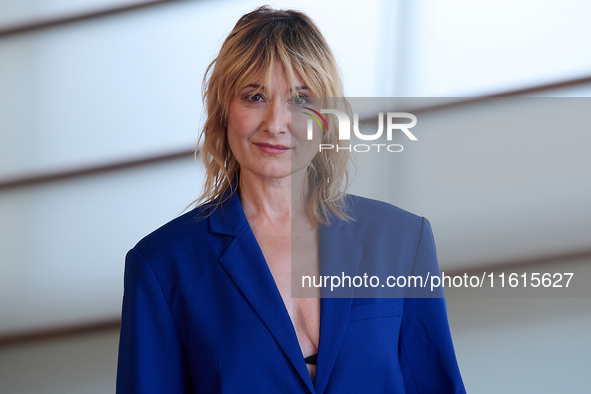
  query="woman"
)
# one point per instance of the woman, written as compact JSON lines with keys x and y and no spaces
{"x":208,"y":306}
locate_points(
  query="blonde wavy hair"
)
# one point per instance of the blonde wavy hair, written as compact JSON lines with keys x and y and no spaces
{"x":259,"y":41}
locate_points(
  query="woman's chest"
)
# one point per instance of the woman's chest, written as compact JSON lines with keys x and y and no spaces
{"x":290,"y":255}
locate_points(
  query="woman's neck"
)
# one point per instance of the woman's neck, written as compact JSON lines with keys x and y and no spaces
{"x":272,"y":199}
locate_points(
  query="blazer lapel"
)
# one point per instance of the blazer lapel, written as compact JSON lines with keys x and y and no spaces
{"x":244,"y":262}
{"x":340,"y":251}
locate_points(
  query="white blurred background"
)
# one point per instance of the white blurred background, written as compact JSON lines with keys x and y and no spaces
{"x":114,"y":101}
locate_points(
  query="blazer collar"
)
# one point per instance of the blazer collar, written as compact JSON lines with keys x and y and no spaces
{"x":227,"y":217}
{"x":244,"y":262}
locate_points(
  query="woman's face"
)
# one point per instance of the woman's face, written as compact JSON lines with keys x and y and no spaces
{"x":260,"y":129}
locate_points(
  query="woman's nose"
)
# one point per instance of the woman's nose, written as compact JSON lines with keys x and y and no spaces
{"x":277,"y":118}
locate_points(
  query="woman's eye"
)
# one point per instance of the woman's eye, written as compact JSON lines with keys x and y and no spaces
{"x":300,"y":100}
{"x":255,"y":98}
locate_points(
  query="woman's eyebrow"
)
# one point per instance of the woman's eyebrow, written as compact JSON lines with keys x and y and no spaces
{"x":254,"y":86}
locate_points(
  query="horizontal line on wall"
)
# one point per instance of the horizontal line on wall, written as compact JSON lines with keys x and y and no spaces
{"x":115,"y":323}
{"x":520,"y":263}
{"x":37,"y":179}
{"x":568,"y":83}
{"x":59,"y":332}
{"x":40,"y":178}
{"x":85,"y":16}
{"x":532,"y":90}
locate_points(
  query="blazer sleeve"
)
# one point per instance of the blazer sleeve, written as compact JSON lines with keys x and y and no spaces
{"x":150,"y":348}
{"x":426,"y":351}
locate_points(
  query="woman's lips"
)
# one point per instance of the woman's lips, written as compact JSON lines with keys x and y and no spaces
{"x":272,"y":149}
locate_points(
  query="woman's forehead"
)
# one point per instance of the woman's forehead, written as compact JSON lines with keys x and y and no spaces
{"x":275,"y":80}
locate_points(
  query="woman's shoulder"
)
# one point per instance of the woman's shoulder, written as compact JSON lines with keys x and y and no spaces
{"x":181,"y":233}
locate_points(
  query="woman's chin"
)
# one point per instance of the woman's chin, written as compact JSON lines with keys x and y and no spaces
{"x":274,"y":173}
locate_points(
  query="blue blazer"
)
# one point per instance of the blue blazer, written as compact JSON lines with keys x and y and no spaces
{"x":202,"y":313}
